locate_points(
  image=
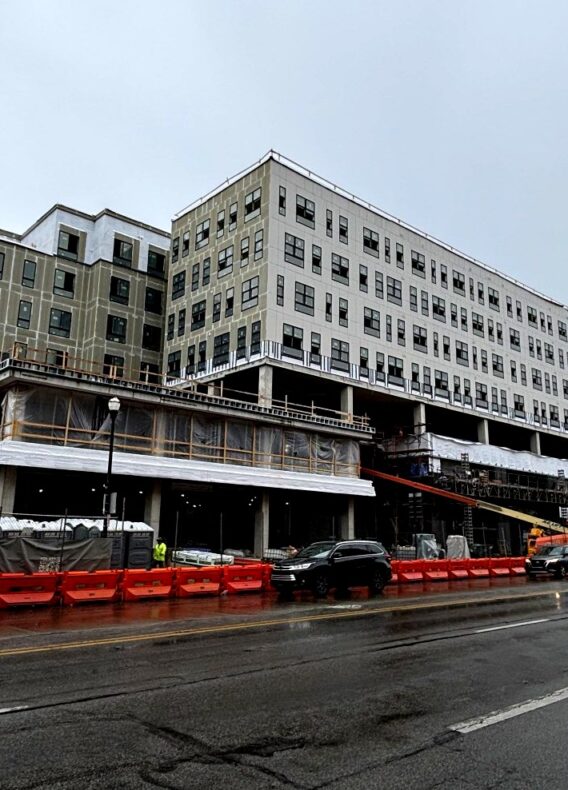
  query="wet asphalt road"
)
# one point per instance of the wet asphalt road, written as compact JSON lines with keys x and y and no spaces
{"x":253,"y":693}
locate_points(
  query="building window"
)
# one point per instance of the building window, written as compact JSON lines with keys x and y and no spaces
{"x":280,"y":290}
{"x":443,"y":275}
{"x":562,"y":331}
{"x":439,"y":308}
{"x":316,"y":259}
{"x":477,"y":324}
{"x":328,"y":307}
{"x":424,"y":303}
{"x":206,"y":275}
{"x":185,"y":244}
{"x":116,"y":328}
{"x":420,"y":338}
{"x":304,"y":299}
{"x":401,"y":332}
{"x":305,"y":211}
{"x":233,"y":213}
{"x":388,"y":328}
{"x":339,"y":354}
{"x":395,"y":370}
{"x":380,"y":365}
{"x":225,"y":261}
{"x":458,"y":282}
{"x":343,"y":312}
{"x":493,"y":298}
{"x":441,"y":386}
{"x":156,"y":263}
{"x":229,"y":302}
{"x":2,"y":257}
{"x":509,"y":303}
{"x":153,"y":301}
{"x":122,"y":252}
{"x":536,"y":379}
{"x":418,"y":263}
{"x":241,"y":342}
{"x":433,"y":270}
{"x":151,"y":337}
{"x":64,"y":283}
{"x":371,"y":322}
{"x":190,"y":367}
{"x":119,"y":290}
{"x":294,"y":250}
{"x":394,"y":290}
{"x":463,"y":318}
{"x":519,"y":405}
{"x":363,"y":361}
{"x":343,"y":229}
{"x":472,"y":289}
{"x":454,"y":315}
{"x":198,"y":314}
{"x":413,"y":297}
{"x":387,"y":250}
{"x":245,"y":245}
{"x":220,"y":223}
{"x":371,"y":242}
{"x":24,"y":314}
{"x":292,"y":340}
{"x":549,"y":353}
{"x":400,"y":256}
{"x":462,"y":354}
{"x":258,"y":244}
{"x":59,"y":322}
{"x":221,"y":345}
{"x":315,"y":348}
{"x":339,"y":269}
{"x":202,"y":356}
{"x":415,"y":377}
{"x":252,"y":204}
{"x":68,"y":245}
{"x":532,"y":316}
{"x":28,"y":274}
{"x":379,"y":291}
{"x":497,"y":365}
{"x":113,"y":366}
{"x":195,"y":277}
{"x":515,"y":339}
{"x":363,"y":278}
{"x":216,"y":308}
{"x":149,"y":373}
{"x":249,"y":296}
{"x":282,"y":201}
{"x":178,"y":285}
{"x":174,"y":364}
{"x":329,"y":222}
{"x":481,"y":394}
{"x":202,"y":234}
{"x":255,"y":337}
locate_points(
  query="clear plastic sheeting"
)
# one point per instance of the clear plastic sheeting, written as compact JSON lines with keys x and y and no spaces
{"x":55,"y":417}
{"x":457,"y":548}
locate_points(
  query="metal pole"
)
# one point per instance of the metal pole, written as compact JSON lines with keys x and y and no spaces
{"x":109,"y":475}
{"x":63,"y":540}
{"x":221,"y":536}
{"x":176,"y":539}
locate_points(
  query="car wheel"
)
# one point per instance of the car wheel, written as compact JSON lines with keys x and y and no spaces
{"x":321,"y":585}
{"x":377,"y":583}
{"x":561,"y":572}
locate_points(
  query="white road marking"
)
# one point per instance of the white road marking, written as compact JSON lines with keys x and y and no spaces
{"x":511,"y":625}
{"x":509,"y":713}
{"x":12,"y":710}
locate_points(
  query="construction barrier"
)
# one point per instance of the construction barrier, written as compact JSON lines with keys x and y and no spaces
{"x":266,"y":575}
{"x":17,"y":589}
{"x":394,"y":571}
{"x":157,"y":583}
{"x":517,"y":566}
{"x":410,"y":571}
{"x":458,"y":569}
{"x":82,"y":586}
{"x":198,"y":581}
{"x":243,"y":578}
{"x":436,"y":570}
{"x":499,"y":566}
{"x":479,"y":569}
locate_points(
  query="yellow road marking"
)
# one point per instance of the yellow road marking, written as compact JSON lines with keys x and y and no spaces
{"x":218,"y":629}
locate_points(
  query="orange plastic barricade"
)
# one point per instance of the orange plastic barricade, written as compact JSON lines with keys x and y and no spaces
{"x":458,"y":569}
{"x":157,"y":583}
{"x":517,"y":566}
{"x":394,"y":570}
{"x":243,"y":578}
{"x":500,"y":566}
{"x":17,"y":589}
{"x":479,"y":569}
{"x":267,"y":573}
{"x":198,"y":581}
{"x":410,"y":571}
{"x":81,"y":586}
{"x":436,"y":570}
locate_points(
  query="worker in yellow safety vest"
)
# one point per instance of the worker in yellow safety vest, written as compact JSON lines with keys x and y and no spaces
{"x":159,"y":554}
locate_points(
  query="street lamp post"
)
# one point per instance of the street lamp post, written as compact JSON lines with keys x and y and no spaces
{"x":113,"y":409}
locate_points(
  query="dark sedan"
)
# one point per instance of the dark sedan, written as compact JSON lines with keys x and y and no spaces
{"x":549,"y":560}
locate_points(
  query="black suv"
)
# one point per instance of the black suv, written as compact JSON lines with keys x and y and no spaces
{"x":334,"y":564}
{"x":549,"y":560}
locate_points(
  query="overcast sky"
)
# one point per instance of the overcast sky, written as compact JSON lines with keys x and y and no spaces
{"x":451,"y":115}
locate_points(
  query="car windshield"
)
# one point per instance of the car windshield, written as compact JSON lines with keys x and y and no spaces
{"x":316,"y":550}
{"x":546,"y":550}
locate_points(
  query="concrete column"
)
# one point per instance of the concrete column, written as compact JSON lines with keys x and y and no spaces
{"x":347,"y":522}
{"x":347,"y":403}
{"x":152,"y":507}
{"x":265,"y":385}
{"x":419,"y":418}
{"x":159,"y":433}
{"x":483,"y":431}
{"x":262,"y":525}
{"x":8,"y":476}
{"x":535,"y":443}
